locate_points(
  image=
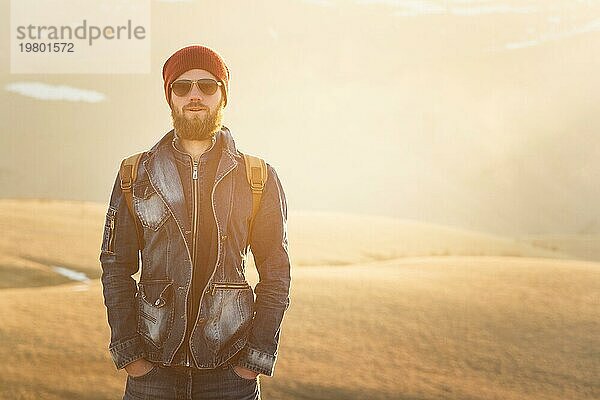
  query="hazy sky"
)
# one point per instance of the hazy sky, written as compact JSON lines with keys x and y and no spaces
{"x":479,"y":114}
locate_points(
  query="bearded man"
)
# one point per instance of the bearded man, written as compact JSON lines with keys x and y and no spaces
{"x":192,"y":327}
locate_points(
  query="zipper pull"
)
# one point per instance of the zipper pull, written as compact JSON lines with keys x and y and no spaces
{"x":195,"y":171}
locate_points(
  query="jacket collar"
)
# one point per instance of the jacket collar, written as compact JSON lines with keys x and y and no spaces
{"x":224,"y":135}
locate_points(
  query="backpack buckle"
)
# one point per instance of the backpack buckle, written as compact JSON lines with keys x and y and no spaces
{"x":127,"y":178}
{"x":257,"y":186}
{"x":126,"y":185}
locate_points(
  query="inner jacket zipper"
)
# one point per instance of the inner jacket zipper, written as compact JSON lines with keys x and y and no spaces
{"x":194,"y":231}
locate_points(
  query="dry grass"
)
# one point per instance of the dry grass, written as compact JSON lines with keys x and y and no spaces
{"x":51,"y":232}
{"x":342,"y":239}
{"x":413,"y":328}
{"x":581,"y":246}
{"x":463,"y":328}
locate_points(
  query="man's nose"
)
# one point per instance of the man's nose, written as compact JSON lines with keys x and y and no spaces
{"x":195,"y":93}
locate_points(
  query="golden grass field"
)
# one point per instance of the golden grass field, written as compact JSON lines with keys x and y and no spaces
{"x":381,"y":309}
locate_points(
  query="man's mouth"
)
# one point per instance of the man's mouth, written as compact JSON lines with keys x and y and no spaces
{"x":195,"y":108}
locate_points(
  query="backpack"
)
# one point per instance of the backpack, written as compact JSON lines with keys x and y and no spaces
{"x":256,"y":174}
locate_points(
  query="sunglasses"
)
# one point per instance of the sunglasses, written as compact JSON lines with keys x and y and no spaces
{"x":207,"y":86}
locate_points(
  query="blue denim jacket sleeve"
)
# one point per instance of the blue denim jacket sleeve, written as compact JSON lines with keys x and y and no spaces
{"x":269,"y":245}
{"x":119,"y":257}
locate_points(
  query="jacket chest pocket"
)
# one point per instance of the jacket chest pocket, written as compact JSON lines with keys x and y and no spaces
{"x":149,"y":206}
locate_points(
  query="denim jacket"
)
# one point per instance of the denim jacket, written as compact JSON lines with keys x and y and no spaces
{"x":148,"y":319}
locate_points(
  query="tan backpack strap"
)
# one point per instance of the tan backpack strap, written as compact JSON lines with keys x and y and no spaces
{"x":127,"y":175}
{"x":256,"y":173}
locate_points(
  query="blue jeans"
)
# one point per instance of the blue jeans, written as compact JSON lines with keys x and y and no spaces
{"x":182,"y":383}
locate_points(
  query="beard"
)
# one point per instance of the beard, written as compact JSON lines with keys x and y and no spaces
{"x":198,"y":127}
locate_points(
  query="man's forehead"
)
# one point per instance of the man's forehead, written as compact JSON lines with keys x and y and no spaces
{"x":196,"y":74}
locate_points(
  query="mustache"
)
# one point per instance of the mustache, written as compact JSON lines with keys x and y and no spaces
{"x":195,"y":105}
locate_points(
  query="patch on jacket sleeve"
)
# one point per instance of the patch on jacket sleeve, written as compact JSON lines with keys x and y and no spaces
{"x":108,"y":236}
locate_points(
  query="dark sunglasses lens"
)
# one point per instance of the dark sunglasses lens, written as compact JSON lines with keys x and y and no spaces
{"x":181,"y":88}
{"x":208,"y":86}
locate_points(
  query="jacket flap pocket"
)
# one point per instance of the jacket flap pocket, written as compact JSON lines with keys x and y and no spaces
{"x":156,"y":292}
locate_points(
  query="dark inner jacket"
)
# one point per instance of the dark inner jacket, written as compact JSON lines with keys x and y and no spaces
{"x":206,"y":239}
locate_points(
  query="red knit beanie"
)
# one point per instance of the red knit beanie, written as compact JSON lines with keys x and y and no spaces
{"x":193,"y":57}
